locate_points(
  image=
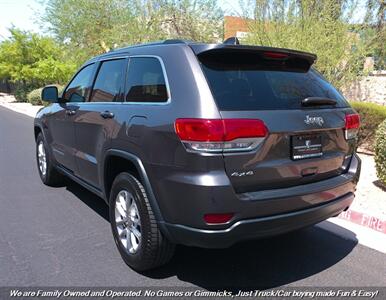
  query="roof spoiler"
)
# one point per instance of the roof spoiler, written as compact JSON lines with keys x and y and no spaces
{"x":232,"y":41}
{"x":296,"y":60}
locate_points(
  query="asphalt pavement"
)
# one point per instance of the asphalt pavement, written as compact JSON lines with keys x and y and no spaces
{"x":61,"y":237}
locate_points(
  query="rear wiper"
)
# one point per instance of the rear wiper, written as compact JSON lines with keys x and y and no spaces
{"x":311,"y":101}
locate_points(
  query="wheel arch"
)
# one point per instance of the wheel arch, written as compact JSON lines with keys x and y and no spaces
{"x":37,"y":130}
{"x":133,"y":164}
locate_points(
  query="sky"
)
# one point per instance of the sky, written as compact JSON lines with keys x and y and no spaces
{"x":23,"y":14}
{"x":19,"y":13}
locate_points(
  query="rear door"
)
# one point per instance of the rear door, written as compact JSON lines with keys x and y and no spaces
{"x":304,"y":144}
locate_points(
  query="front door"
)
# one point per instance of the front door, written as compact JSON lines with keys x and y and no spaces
{"x":95,"y":122}
{"x":61,"y":121}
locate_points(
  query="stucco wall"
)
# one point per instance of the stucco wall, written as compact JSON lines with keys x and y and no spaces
{"x":369,"y":89}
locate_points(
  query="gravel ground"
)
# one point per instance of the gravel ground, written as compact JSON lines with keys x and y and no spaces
{"x":370,"y":198}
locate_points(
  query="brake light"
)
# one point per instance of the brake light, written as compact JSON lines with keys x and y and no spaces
{"x":352,"y":124}
{"x":218,"y":218}
{"x":277,"y":55}
{"x":218,"y":135}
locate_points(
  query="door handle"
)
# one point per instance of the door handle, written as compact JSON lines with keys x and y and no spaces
{"x":107,"y":114}
{"x":70,"y":112}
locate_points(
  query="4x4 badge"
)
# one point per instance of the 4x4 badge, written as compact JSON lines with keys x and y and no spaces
{"x":314,"y":120}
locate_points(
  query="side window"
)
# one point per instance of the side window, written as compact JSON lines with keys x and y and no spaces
{"x":79,"y":87}
{"x":146,"y":81}
{"x":107,"y":87}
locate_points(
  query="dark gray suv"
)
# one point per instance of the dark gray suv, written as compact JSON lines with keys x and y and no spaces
{"x":201,"y":144}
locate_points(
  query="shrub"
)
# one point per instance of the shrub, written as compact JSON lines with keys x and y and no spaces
{"x":380,"y":152}
{"x":21,"y":91}
{"x":371,"y":116}
{"x":34,"y":97}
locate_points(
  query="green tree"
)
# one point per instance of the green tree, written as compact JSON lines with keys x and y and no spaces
{"x":32,"y":61}
{"x":199,"y":20}
{"x":91,"y":27}
{"x":374,"y":30}
{"x":320,"y":27}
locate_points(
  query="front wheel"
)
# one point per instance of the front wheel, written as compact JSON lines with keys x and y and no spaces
{"x":48,"y":174}
{"x":135,"y":230}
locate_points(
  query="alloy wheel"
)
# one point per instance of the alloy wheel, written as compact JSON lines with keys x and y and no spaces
{"x":127,"y":221}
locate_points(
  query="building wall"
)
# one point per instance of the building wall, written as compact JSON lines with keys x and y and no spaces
{"x":234,"y":26}
{"x":369,"y":89}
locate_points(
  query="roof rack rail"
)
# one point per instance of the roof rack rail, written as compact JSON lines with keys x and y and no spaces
{"x":232,"y":41}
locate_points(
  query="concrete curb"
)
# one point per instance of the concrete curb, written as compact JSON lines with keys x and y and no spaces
{"x":364,"y":220}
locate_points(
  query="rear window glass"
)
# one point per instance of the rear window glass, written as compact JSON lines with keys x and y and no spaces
{"x":239,"y":85}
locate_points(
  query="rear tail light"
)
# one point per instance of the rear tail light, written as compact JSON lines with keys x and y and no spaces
{"x":218,"y":135}
{"x":218,"y":218}
{"x":352,"y":126}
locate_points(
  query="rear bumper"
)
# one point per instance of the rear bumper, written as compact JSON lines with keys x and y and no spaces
{"x":258,"y":227}
{"x":184,"y":197}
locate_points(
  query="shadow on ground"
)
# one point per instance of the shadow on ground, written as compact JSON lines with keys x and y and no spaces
{"x":380,"y":184}
{"x":94,"y":202}
{"x":259,"y":264}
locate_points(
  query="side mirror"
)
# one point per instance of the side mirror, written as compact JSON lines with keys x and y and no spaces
{"x":50,"y":94}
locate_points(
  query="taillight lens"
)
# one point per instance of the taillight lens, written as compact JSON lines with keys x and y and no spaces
{"x":352,"y":124}
{"x":217,"y":135}
{"x":200,"y":130}
{"x":244,"y":128}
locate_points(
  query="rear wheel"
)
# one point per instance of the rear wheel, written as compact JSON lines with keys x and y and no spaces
{"x":135,"y":230}
{"x":48,"y":174}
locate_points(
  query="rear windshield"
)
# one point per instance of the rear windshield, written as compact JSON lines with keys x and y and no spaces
{"x":241,"y":83}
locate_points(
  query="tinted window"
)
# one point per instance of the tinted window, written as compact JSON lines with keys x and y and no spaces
{"x":79,"y":87}
{"x":245,"y":86}
{"x":108,"y":83}
{"x":146,"y":82}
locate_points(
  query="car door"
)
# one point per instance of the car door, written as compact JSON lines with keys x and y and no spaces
{"x":61,"y":120}
{"x":95,"y":122}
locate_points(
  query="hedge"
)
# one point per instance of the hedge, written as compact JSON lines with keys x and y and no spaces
{"x":35,"y":96}
{"x":371,"y":116}
{"x":380,"y":152}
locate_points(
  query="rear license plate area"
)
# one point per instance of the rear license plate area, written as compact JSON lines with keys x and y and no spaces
{"x":306,"y":146}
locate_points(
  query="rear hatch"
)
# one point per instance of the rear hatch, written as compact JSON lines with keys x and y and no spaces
{"x":306,"y":139}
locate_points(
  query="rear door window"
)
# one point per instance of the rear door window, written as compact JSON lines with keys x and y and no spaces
{"x":239,"y":85}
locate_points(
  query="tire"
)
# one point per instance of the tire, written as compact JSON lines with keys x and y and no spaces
{"x":47,"y":172}
{"x":152,"y":249}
